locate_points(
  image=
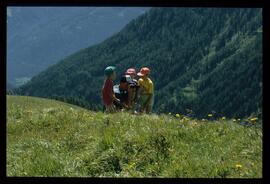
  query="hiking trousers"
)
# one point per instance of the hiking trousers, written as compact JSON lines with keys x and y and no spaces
{"x":146,"y":102}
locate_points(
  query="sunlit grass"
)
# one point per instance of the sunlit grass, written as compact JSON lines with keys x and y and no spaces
{"x":50,"y":138}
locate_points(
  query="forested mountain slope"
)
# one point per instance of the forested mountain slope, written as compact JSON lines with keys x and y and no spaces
{"x":204,"y":59}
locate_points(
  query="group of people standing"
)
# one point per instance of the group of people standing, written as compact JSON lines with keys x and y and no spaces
{"x":131,"y":94}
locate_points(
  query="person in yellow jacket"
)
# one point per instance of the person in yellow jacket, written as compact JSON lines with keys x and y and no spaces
{"x":146,"y":90}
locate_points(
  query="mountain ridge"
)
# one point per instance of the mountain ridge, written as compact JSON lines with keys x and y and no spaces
{"x":38,"y":37}
{"x":203,"y":59}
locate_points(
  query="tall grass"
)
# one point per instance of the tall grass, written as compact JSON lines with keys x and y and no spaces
{"x":50,"y":138}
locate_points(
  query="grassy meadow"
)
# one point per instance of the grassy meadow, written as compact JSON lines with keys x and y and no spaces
{"x":51,"y":138}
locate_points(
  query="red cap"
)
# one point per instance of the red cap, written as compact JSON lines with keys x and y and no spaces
{"x":144,"y":71}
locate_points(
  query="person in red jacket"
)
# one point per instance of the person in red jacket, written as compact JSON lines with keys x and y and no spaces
{"x":108,"y":95}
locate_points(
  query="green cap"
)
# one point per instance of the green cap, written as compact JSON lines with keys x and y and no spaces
{"x":109,"y":70}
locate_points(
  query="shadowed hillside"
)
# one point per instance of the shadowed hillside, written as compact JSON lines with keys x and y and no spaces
{"x":38,"y":37}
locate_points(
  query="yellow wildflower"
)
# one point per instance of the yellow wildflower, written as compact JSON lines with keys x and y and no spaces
{"x":238,"y":166}
{"x":177,"y":115}
{"x":210,"y":115}
{"x":223,"y":118}
{"x":253,"y":119}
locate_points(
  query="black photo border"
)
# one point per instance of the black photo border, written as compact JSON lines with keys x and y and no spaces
{"x":135,"y":3}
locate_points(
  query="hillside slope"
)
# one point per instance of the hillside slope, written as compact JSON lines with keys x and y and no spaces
{"x":38,"y":37}
{"x":51,"y":138}
{"x":204,"y":59}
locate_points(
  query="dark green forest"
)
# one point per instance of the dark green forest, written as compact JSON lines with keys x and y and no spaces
{"x":203,"y":59}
